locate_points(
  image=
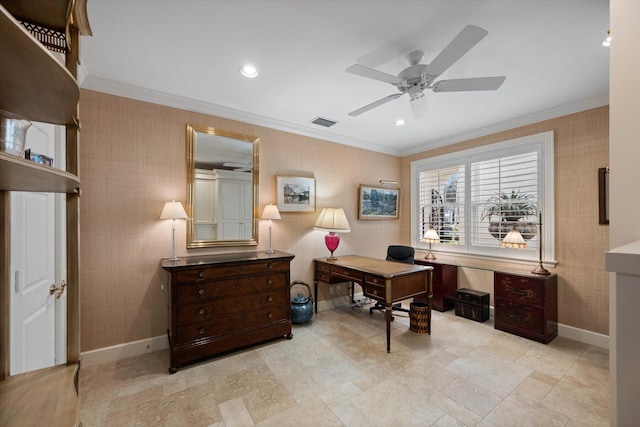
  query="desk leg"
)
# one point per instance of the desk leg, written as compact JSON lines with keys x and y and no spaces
{"x":388,"y":305}
{"x":315,"y":294}
{"x":353,"y":289}
{"x":388,"y":312}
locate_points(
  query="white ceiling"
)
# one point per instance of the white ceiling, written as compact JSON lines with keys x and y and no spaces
{"x":187,"y":54}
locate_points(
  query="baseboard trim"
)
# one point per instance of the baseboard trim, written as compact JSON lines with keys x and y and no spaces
{"x":136,"y":348}
{"x":122,"y":351}
{"x":584,"y":336}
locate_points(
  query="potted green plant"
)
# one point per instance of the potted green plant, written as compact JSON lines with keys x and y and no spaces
{"x":510,"y":209}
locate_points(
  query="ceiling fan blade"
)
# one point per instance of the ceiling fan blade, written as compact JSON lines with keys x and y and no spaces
{"x":363,"y":71}
{"x":375,"y":104}
{"x":461,"y":44}
{"x":419,"y":107}
{"x":477,"y":83}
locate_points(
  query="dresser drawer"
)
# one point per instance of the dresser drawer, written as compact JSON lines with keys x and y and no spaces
{"x":201,"y":292}
{"x":520,"y":316}
{"x":206,"y":329}
{"x":214,"y":272}
{"x":520,"y":289}
{"x":374,"y":287}
{"x":210,"y":310}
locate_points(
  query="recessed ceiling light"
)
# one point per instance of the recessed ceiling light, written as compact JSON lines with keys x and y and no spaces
{"x":400,"y":122}
{"x":249,"y":71}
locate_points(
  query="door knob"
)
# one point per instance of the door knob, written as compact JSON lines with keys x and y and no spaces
{"x":58,"y":291}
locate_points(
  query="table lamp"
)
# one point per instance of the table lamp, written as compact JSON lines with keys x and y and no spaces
{"x":514,"y":239}
{"x":332,"y":220}
{"x":270,"y":212}
{"x":173,"y":210}
{"x":431,"y":236}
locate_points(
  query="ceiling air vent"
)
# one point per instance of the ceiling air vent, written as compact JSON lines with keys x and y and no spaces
{"x":321,"y":121}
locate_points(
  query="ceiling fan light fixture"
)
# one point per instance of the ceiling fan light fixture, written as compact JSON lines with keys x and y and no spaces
{"x":607,"y":41}
{"x":249,"y":71}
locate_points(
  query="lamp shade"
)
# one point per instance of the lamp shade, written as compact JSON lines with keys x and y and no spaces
{"x":173,"y":210}
{"x":270,"y":212}
{"x":513,"y":239}
{"x":431,"y":236}
{"x":332,"y":219}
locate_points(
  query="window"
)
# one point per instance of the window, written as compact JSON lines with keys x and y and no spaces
{"x":473,"y":198}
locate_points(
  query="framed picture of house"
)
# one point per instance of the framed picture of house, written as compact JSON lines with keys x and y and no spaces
{"x":375,"y":203}
{"x":296,"y":194}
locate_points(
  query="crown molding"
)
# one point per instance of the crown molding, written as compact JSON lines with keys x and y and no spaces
{"x":146,"y":95}
{"x":552,"y":113}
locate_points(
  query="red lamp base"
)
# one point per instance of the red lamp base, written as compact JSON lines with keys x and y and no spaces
{"x":332,"y":240}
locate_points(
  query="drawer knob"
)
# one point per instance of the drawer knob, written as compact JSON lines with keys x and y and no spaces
{"x":201,"y":274}
{"x":269,"y":281}
{"x":201,"y":331}
{"x":269,"y":298}
{"x":201,"y":291}
{"x":202,"y":311}
{"x":270,"y":266}
{"x":270,"y":315}
{"x":237,"y":285}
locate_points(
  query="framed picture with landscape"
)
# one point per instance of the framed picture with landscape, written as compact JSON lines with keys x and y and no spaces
{"x":375,"y":203}
{"x":296,"y":194}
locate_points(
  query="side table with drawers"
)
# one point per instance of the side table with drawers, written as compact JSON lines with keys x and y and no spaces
{"x":526,"y":305}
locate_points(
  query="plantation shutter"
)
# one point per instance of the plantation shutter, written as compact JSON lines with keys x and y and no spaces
{"x":504,"y":190}
{"x":441,"y":196}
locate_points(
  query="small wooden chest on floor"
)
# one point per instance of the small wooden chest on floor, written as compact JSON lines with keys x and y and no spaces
{"x":472,"y":304}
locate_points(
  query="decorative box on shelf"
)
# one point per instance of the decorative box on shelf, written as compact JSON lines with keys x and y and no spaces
{"x":472,"y":304}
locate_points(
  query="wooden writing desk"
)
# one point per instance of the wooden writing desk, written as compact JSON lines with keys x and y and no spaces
{"x":381,"y":280}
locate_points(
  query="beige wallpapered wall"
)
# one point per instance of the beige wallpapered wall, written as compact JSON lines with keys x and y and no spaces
{"x":581,"y":147}
{"x":133,"y":160}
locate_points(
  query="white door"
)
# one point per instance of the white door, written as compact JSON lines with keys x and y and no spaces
{"x":35,"y":340}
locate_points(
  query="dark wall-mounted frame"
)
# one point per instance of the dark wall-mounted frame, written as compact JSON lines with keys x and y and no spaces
{"x":603,"y":195}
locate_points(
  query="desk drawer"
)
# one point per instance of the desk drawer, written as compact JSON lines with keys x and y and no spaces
{"x":347,"y":274}
{"x":323,"y":276}
{"x":375,"y":292}
{"x":375,"y":287}
{"x":225,"y":325}
{"x":325,"y":268}
{"x":200,"y":292}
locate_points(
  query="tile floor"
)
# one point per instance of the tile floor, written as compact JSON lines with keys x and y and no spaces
{"x":336,"y":372}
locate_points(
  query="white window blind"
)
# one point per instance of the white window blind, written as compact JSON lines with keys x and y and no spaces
{"x":472,"y":198}
{"x":442,"y":201}
{"x":504,"y":194}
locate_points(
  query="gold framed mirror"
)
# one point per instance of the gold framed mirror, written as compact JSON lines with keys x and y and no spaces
{"x":222,"y":188}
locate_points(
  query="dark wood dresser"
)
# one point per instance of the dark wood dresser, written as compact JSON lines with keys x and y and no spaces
{"x":445,"y":284}
{"x":526,"y":305}
{"x":223,"y":302}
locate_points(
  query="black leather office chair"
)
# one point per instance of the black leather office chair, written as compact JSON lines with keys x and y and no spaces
{"x":396,"y":253}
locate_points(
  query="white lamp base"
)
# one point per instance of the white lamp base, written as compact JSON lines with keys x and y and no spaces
{"x":270,"y":250}
{"x":174,"y":257}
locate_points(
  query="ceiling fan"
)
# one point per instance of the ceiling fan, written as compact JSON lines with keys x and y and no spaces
{"x":418,"y":77}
